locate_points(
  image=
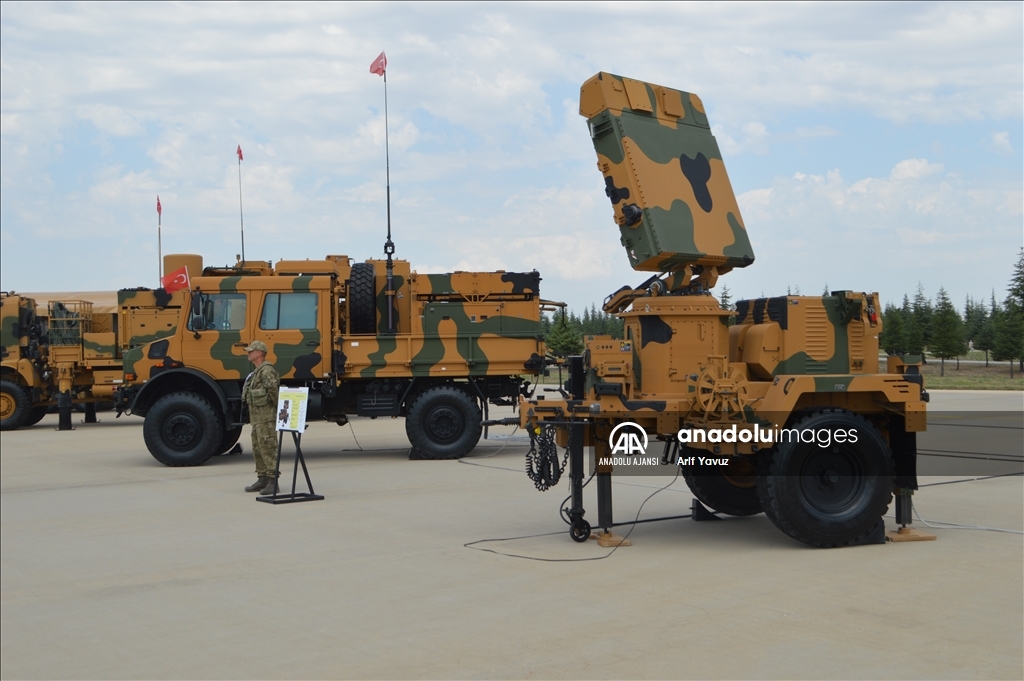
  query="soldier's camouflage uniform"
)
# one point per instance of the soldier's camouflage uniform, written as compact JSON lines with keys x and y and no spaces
{"x":260,"y":394}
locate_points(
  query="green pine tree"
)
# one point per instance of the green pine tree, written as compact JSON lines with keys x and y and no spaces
{"x":947,"y":331}
{"x":923,"y":311}
{"x":894,"y":332}
{"x":566,"y":338}
{"x":1017,"y":280}
{"x":725,"y":301}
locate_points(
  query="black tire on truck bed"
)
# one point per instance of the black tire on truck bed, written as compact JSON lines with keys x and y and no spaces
{"x":362,"y":298}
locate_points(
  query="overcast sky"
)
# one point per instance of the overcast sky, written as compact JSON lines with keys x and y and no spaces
{"x":872,"y":146}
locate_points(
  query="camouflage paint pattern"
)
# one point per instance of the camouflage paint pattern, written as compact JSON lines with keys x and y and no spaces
{"x":680,"y":364}
{"x":448,"y":325}
{"x":664,"y":175}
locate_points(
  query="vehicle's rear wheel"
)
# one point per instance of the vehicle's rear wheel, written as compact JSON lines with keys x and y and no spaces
{"x":832,"y":495}
{"x":15,"y":406}
{"x":362,"y":298}
{"x":182,"y":429}
{"x":443,"y":423}
{"x":730,"y":489}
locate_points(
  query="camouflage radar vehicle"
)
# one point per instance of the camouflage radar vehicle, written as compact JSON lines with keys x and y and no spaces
{"x":786,"y":412}
{"x":61,"y":351}
{"x":368,"y":338}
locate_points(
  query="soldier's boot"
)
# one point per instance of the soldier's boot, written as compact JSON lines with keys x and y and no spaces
{"x":260,"y":483}
{"x":271,"y":488}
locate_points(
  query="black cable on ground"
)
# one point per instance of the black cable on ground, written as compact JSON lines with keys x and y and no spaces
{"x":473,"y":544}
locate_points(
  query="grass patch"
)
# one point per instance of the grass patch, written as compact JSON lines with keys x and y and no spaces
{"x":996,"y":376}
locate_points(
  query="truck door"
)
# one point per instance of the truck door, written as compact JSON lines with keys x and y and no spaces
{"x":216,"y":343}
{"x":290,"y":324}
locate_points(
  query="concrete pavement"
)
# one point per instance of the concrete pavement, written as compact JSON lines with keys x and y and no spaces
{"x":114,"y":566}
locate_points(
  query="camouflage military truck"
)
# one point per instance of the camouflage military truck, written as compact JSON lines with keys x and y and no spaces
{"x":456,"y":343}
{"x":724,"y":401}
{"x":66,"y":352}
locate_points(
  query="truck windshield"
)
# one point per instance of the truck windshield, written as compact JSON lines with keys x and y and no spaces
{"x":222,"y":312}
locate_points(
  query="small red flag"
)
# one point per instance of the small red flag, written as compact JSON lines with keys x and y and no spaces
{"x":239,"y":152}
{"x":159,"y":209}
{"x":176,"y":280}
{"x":379,"y":65}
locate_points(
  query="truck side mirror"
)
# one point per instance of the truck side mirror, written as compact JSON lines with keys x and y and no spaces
{"x":198,"y":321}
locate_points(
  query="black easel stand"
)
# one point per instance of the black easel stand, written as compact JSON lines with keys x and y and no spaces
{"x":294,"y":497}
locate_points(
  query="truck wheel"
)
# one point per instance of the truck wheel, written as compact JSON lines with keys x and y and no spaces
{"x":831,"y":495}
{"x":229,"y":439}
{"x":36,"y":415}
{"x":182,"y":429}
{"x":728,"y":489}
{"x":443,"y":423}
{"x":15,"y":405}
{"x":362,"y":298}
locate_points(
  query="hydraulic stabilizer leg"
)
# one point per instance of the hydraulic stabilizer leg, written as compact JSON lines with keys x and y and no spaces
{"x":579,"y":529}
{"x":90,"y":412}
{"x":64,"y":411}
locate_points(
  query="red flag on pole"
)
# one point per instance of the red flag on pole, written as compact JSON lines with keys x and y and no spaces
{"x":239,"y":152}
{"x":176,"y":280}
{"x":159,"y":209}
{"x":379,"y":65}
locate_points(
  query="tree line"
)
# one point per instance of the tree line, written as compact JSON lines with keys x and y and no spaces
{"x":994,"y":327}
{"x":564,"y":332}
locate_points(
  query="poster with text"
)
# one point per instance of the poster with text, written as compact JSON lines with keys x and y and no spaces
{"x":291,"y":409}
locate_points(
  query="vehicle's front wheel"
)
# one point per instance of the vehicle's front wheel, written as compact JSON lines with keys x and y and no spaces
{"x":832,"y":490}
{"x":15,"y":405}
{"x":444,"y":423}
{"x":182,"y":429}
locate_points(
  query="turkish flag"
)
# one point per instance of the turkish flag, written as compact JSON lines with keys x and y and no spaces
{"x":239,"y":152}
{"x":176,"y":280}
{"x":379,"y":65}
{"x":159,"y":208}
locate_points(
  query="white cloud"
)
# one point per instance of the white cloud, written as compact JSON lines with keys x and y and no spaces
{"x":490,"y":161}
{"x":1001,"y":143}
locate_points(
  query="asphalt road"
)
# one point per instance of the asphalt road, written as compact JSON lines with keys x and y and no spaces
{"x":114,"y":566}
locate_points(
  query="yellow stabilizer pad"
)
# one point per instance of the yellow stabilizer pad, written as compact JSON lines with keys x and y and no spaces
{"x":908,"y":534}
{"x":607,"y":539}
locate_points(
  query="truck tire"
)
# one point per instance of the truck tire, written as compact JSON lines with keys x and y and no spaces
{"x":828,"y":496}
{"x":36,"y":415}
{"x":728,"y":489}
{"x":362,"y":298}
{"x":443,"y":423}
{"x":182,"y":429}
{"x":228,"y":440}
{"x":15,"y":405}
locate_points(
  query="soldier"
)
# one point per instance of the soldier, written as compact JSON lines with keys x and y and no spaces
{"x":260,"y":394}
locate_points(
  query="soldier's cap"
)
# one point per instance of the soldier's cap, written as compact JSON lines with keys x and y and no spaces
{"x":257,"y":345}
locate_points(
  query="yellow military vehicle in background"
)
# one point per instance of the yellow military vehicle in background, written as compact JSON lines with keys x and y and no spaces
{"x":64,"y":350}
{"x":366,"y":338}
{"x":785,"y":412}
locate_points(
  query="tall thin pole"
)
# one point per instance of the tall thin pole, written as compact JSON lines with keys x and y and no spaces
{"x":389,"y":245}
{"x":387,"y":164}
{"x":159,"y":243}
{"x":241,"y":218}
